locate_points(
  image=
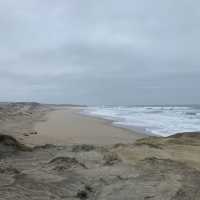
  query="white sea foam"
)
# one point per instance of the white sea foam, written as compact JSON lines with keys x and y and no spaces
{"x":159,"y":120}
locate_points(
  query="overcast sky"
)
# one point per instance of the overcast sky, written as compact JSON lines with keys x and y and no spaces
{"x":100,"y":52}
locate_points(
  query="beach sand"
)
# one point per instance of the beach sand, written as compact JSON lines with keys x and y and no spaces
{"x":90,"y":164}
{"x":67,"y":126}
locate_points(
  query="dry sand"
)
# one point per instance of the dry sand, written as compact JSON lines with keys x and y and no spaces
{"x":68,"y":126}
{"x":151,"y":168}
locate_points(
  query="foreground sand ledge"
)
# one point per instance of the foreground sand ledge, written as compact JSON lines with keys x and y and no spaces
{"x":152,"y":168}
{"x":67,"y":126}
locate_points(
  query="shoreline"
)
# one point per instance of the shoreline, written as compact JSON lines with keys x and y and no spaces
{"x":111,"y":122}
{"x":153,"y":121}
{"x":102,"y":161}
{"x":67,"y":125}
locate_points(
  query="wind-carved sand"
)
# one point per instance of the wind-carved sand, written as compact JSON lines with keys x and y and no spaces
{"x":150,"y":168}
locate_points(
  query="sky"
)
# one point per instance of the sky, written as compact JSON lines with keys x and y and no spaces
{"x":100,"y":52}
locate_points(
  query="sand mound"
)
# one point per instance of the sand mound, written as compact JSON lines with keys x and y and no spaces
{"x":9,"y":145}
{"x":186,"y":135}
{"x":63,"y":163}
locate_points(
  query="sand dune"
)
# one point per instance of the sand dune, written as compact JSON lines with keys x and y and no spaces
{"x":148,"y":168}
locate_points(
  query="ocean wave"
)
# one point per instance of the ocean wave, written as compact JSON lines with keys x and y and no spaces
{"x":159,"y":120}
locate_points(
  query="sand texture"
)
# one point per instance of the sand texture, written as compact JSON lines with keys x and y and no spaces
{"x":150,"y":168}
{"x":67,"y":126}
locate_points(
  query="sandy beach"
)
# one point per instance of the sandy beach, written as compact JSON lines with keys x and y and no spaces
{"x":67,"y":126}
{"x":53,"y":152}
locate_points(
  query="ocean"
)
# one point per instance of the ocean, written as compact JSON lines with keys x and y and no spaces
{"x":154,"y":120}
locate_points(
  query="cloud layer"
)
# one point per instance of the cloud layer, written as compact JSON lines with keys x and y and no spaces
{"x":100,"y":52}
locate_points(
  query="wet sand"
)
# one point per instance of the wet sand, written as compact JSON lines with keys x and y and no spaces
{"x":68,"y":126}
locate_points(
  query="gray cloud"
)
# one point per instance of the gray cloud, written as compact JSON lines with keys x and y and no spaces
{"x":106,"y":52}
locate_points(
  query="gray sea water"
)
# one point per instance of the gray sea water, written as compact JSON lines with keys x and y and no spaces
{"x":158,"y":120}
